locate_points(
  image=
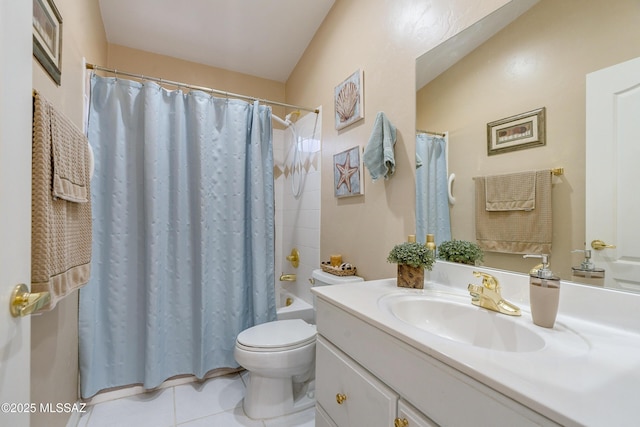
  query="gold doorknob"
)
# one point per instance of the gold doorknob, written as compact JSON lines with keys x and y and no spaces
{"x":340,"y":398}
{"x":294,"y":258}
{"x":400,"y":422}
{"x":23,"y":302}
{"x":599,"y":245}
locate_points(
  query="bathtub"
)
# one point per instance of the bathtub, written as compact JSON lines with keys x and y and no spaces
{"x":289,"y":306}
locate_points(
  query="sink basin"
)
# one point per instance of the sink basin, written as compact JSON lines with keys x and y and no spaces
{"x":456,"y":319}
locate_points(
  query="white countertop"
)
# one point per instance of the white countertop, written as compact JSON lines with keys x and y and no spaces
{"x":588,"y":372}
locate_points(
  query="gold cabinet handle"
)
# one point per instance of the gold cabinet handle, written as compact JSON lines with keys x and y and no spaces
{"x":294,"y":258}
{"x":340,"y":398}
{"x":23,"y":302}
{"x":400,"y":422}
{"x":599,"y":245}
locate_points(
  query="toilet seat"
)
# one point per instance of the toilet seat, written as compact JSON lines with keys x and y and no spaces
{"x":278,"y":335}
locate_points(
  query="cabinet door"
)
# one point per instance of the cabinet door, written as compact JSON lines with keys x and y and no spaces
{"x":408,"y":416}
{"x":348,"y":393}
{"x":322,"y":419}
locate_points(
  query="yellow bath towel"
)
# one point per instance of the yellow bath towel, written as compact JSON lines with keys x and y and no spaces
{"x":61,"y":229}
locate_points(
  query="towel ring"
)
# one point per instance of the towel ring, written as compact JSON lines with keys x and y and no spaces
{"x":452,"y":200}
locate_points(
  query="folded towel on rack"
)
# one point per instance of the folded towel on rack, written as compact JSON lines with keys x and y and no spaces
{"x":69,"y":150}
{"x":516,"y":231}
{"x":60,"y":229}
{"x":511,"y":192}
{"x":378,"y":155}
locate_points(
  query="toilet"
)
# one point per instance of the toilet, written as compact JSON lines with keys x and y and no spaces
{"x":280,"y":359}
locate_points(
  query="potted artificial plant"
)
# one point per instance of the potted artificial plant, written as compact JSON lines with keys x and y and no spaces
{"x":412,"y":259}
{"x":460,"y":251}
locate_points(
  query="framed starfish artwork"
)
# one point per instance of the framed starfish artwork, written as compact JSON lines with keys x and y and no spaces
{"x":347,"y":173}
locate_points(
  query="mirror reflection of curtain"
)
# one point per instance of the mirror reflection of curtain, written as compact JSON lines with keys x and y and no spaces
{"x":183,"y":251}
{"x":432,"y":202}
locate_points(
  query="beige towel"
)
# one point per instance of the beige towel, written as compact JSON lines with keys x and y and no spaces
{"x":60,"y":230}
{"x":516,"y":231}
{"x":512,"y":192}
{"x":69,"y":148}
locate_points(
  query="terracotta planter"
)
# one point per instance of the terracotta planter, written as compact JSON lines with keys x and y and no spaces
{"x":410,"y":277}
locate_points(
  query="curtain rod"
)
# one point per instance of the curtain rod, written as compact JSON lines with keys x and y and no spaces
{"x":193,"y":87}
{"x":431,"y":133}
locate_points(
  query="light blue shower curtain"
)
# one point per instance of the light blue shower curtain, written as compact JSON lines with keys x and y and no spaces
{"x":432,"y":201}
{"x":183,"y":233}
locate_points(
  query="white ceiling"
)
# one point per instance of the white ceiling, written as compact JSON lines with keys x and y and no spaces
{"x":263,"y":38}
{"x":440,"y":58}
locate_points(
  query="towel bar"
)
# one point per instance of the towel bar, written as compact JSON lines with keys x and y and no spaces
{"x":554,"y":172}
{"x":24,"y":303}
{"x":557,"y":171}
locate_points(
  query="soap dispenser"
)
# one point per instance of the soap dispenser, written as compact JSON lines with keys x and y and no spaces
{"x":587,"y":272}
{"x":544,"y":293}
{"x":430,"y":242}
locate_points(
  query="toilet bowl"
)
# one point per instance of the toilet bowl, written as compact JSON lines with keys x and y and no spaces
{"x":280,"y":359}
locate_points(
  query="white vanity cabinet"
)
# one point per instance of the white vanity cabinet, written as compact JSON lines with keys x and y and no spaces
{"x":366,"y":377}
{"x":349,"y":395}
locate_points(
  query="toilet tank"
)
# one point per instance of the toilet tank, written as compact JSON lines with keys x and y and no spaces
{"x":321,"y":278}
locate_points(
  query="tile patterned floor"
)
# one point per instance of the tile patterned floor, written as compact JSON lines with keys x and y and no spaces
{"x":217,"y":402}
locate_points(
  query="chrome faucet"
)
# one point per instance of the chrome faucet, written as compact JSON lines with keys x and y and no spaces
{"x":488,"y":295}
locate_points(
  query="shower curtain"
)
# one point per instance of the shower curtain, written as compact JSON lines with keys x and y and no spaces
{"x":432,"y":201}
{"x":183,"y":233}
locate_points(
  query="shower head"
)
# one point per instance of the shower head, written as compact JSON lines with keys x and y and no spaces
{"x":293,"y":113}
{"x":287,"y":119}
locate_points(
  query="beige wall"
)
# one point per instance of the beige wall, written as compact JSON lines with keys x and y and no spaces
{"x":166,"y":67}
{"x":539,"y":60}
{"x":383,"y":38}
{"x":54,"y":335}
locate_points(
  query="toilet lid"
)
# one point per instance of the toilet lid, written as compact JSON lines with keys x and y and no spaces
{"x":280,"y":333}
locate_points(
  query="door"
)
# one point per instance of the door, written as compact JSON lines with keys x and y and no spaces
{"x":15,"y":206}
{"x":612,"y":176}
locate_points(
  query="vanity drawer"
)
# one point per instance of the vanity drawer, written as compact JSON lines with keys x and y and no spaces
{"x":408,"y":416}
{"x":348,"y":393}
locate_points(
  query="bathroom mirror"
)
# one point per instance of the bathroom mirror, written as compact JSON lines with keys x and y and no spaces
{"x":524,"y":56}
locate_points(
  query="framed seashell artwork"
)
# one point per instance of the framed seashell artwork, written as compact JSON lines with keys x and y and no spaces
{"x":347,"y":173}
{"x":348,"y":100}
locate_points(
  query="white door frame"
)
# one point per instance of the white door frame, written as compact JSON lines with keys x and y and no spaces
{"x":15,"y":207}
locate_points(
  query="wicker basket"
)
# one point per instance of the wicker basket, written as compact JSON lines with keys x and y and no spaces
{"x":337,"y":271}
